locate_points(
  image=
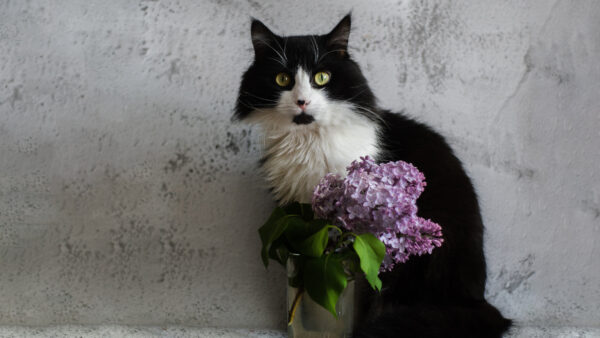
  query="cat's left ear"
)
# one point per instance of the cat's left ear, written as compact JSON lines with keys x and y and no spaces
{"x":262,"y":37}
{"x":337,"y":39}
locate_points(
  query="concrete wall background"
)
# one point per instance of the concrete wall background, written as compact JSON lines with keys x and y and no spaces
{"x":127,"y":196}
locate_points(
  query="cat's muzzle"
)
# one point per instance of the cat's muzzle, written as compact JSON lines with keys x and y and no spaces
{"x":303,"y":118}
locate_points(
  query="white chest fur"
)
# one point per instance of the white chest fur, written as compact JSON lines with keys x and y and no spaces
{"x":297,"y":159}
{"x":299,"y":155}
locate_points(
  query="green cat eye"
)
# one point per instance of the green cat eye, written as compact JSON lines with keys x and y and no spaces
{"x":282,"y":79}
{"x":321,"y":78}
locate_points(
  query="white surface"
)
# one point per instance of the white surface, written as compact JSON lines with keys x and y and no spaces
{"x":116,"y":331}
{"x":134,"y":332}
{"x":126,"y":196}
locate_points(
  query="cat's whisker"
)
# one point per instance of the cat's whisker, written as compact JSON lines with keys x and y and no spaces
{"x":356,"y":95}
{"x":279,"y":62}
{"x":329,"y":52}
{"x":252,"y":107}
{"x":282,"y":50}
{"x":266,"y":43}
{"x":315,"y":48}
{"x":259,"y":97}
{"x":372,"y":114}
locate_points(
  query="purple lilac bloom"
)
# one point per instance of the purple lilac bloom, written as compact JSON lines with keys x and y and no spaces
{"x":380,"y":199}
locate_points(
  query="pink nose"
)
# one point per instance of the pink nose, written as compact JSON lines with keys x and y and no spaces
{"x":302,"y":104}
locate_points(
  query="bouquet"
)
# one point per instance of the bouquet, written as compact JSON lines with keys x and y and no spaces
{"x":365,"y":222}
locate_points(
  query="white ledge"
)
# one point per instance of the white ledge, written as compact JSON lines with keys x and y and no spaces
{"x":102,"y":331}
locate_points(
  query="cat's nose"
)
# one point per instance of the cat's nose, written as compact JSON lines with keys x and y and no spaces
{"x":302,"y":103}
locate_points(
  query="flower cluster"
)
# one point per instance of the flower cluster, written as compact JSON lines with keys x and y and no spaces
{"x":380,"y":199}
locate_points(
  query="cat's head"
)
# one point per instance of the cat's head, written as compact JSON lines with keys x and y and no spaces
{"x":301,"y":82}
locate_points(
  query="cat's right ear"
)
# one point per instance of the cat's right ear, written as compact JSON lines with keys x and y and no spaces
{"x":262,"y":37}
{"x":337,"y":39}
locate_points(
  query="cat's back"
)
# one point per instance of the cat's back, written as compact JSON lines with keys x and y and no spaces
{"x":449,"y":190}
{"x":458,"y":266}
{"x":403,"y":138}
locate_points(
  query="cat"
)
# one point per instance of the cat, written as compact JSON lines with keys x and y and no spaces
{"x":318,"y":114}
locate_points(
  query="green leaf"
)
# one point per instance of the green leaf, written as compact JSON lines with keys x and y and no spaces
{"x":279,"y":251}
{"x":306,"y":211}
{"x":370,"y":251}
{"x":324,"y":280}
{"x":298,"y":229}
{"x":308,"y":238}
{"x":271,"y":231}
{"x":315,"y":244}
{"x":302,"y":209}
{"x":293,"y":208}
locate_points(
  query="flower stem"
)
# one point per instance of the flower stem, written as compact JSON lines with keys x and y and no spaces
{"x":348,"y":234}
{"x":295,"y":304}
{"x":336,"y":228}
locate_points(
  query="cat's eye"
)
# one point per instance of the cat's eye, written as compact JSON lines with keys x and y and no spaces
{"x":321,"y":78}
{"x":282,"y":79}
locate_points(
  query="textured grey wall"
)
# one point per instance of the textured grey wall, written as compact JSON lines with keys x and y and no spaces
{"x":126,"y":196}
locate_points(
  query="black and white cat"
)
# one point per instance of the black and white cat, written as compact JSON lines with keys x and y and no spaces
{"x":318,"y":114}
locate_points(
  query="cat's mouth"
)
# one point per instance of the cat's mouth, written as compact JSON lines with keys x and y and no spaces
{"x":303,"y":118}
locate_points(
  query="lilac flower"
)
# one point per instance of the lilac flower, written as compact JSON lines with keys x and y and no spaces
{"x":380,"y":199}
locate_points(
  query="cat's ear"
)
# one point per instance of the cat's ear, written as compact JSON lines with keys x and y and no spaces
{"x":337,"y":39}
{"x":262,"y":37}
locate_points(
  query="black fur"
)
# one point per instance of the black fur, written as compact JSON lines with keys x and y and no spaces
{"x":437,"y":295}
{"x":442,"y":294}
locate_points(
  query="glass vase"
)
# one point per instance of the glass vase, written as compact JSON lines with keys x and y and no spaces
{"x":312,"y":320}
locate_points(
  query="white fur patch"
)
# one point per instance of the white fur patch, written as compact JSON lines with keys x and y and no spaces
{"x":298,"y":156}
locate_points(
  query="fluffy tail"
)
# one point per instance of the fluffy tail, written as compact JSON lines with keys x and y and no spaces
{"x":480,"y":320}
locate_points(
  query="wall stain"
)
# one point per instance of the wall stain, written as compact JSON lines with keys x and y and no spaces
{"x":512,"y":280}
{"x":430,"y":27}
{"x":173,"y":69}
{"x":178,"y":162}
{"x":14,"y":97}
{"x":234,"y":142}
{"x":591,"y":207}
